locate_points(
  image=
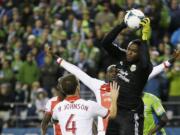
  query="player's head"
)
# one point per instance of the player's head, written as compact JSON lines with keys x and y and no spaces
{"x":60,"y":93}
{"x":68,"y":85}
{"x":111,"y":72}
{"x":132,"y":53}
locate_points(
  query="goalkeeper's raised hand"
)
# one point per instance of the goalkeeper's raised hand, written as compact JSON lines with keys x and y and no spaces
{"x":146,"y":28}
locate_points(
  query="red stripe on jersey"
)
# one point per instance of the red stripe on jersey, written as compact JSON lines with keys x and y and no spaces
{"x":105,"y":100}
{"x":72,"y":98}
{"x":57,"y":129}
{"x":105,"y":87}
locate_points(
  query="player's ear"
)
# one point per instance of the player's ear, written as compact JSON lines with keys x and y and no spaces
{"x":78,"y":90}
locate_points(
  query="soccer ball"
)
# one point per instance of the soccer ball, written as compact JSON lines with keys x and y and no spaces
{"x":133,"y":18}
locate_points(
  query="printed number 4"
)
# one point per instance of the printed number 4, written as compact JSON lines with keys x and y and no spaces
{"x":71,"y":125}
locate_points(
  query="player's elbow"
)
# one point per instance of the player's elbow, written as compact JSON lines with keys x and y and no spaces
{"x":164,"y":120}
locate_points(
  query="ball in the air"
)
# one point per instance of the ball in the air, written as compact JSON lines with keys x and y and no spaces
{"x":133,"y":18}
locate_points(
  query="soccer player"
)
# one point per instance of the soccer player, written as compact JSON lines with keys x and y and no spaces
{"x":155,"y":117}
{"x":134,"y":67}
{"x":48,"y":114}
{"x":101,"y":88}
{"x":76,"y":115}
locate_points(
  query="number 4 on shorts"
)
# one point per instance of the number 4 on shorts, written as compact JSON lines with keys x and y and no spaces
{"x":71,"y":125}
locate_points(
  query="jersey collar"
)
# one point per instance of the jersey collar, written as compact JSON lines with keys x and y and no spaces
{"x":72,"y":98}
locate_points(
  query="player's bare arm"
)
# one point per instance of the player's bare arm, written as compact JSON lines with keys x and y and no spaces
{"x":114,"y":95}
{"x":161,"y":124}
{"x":44,"y":123}
{"x":92,"y":83}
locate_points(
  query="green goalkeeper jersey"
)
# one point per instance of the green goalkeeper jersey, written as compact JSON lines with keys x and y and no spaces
{"x":153,"y":110}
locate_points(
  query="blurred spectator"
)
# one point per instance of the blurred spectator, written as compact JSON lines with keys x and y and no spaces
{"x":105,"y":15}
{"x":129,"y":4}
{"x":37,"y":30}
{"x":153,"y":11}
{"x":174,"y":76}
{"x":6,"y":96}
{"x":45,"y":37}
{"x":28,"y":46}
{"x":33,"y":92}
{"x":6,"y":73}
{"x":16,"y":64}
{"x":175,"y":38}
{"x":157,"y":85}
{"x":19,"y":93}
{"x":91,"y":52}
{"x":29,"y":71}
{"x":48,"y":74}
{"x":93,"y":8}
{"x":40,"y":102}
{"x":115,"y":8}
{"x":174,"y":93}
{"x":82,"y":62}
{"x":175,"y":15}
{"x":86,"y":23}
{"x":26,"y":12}
{"x":59,"y":35}
{"x":165,"y":51}
{"x":71,"y":23}
{"x":73,"y":47}
{"x":27,"y":33}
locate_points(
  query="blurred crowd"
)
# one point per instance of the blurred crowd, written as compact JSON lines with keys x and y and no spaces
{"x":74,"y":30}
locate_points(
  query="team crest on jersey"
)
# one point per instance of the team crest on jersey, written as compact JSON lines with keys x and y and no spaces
{"x":133,"y":68}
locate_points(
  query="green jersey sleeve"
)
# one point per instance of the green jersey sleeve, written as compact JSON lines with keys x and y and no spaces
{"x":157,"y":106}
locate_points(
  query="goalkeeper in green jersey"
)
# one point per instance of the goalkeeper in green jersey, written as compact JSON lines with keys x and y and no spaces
{"x":154,"y":115}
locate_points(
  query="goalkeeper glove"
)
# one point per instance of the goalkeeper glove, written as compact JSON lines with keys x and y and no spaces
{"x":146,"y":30}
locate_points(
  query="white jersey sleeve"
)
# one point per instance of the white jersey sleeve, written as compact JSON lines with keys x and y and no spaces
{"x":54,"y":113}
{"x":158,"y":69}
{"x":91,"y":83}
{"x":98,"y":110}
{"x":48,"y":107}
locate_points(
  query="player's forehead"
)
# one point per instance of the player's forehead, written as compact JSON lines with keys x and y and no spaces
{"x":133,"y":46}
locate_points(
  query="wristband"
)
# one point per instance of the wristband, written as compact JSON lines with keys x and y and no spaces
{"x":59,"y":61}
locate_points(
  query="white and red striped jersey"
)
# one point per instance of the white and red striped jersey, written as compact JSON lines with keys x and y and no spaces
{"x":100,"y":88}
{"x":76,"y":115}
{"x":49,"y":109}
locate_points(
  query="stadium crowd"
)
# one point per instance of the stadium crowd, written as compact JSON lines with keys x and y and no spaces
{"x":74,"y":30}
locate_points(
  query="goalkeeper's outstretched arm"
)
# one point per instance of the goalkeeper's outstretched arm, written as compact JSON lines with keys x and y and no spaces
{"x":107,"y":43}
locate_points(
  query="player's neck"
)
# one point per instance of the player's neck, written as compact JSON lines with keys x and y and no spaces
{"x":76,"y":94}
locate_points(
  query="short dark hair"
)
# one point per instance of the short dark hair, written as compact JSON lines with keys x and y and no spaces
{"x":68,"y":84}
{"x":135,"y":41}
{"x":110,"y":67}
